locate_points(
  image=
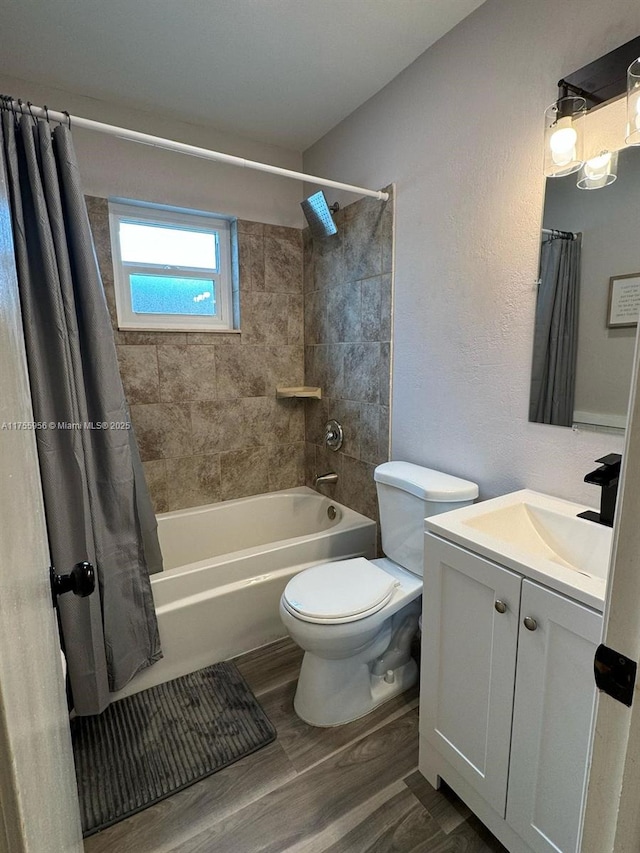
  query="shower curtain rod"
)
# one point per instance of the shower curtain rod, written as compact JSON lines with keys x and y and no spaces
{"x":183,"y":148}
{"x":554,"y":232}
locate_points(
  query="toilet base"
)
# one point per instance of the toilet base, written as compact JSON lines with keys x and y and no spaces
{"x":333,"y":691}
{"x":345,"y":675}
{"x":363,"y":691}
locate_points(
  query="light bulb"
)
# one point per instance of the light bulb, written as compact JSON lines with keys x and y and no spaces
{"x":563,"y":143}
{"x":563,"y":136}
{"x":599,"y":171}
{"x":598,"y":167}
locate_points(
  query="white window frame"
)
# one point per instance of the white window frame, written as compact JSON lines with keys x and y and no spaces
{"x":148,"y":214}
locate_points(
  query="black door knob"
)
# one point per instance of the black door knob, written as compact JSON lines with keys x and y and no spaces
{"x":80,"y":581}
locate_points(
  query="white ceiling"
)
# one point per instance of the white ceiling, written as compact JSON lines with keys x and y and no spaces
{"x":280,"y":71}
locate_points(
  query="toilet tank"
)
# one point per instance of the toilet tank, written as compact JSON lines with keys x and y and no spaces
{"x":407,"y":494}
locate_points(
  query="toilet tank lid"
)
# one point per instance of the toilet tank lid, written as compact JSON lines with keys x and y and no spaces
{"x":425,"y":483}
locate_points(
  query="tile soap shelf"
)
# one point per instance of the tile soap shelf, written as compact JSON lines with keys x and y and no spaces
{"x":299,"y":391}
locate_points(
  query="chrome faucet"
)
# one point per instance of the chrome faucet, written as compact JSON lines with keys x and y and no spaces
{"x":328,"y":479}
{"x":606,"y":476}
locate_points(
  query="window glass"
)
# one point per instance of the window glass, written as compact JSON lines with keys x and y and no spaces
{"x":164,"y":294}
{"x":172,"y":268}
{"x":167,"y":246}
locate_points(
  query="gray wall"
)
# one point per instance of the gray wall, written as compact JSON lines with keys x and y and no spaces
{"x":112,"y":167}
{"x":460,"y":134}
{"x":348,"y":290}
{"x":203,"y":404}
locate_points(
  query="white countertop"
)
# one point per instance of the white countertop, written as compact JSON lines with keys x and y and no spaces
{"x":537,"y":536}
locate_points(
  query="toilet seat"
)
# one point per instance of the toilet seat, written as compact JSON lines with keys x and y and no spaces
{"x":339,"y":592}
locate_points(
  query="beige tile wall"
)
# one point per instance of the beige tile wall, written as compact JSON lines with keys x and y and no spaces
{"x":203,"y":405}
{"x":347,"y":327}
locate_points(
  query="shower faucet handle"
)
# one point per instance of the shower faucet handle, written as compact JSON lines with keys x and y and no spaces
{"x":333,"y":435}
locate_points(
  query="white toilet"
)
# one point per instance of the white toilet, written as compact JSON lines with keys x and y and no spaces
{"x":355,"y":619}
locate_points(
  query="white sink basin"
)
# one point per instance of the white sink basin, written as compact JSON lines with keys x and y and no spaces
{"x":538,"y":536}
{"x":543,"y":532}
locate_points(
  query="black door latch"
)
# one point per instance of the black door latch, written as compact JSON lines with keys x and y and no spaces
{"x":615,"y":674}
{"x":80,"y":581}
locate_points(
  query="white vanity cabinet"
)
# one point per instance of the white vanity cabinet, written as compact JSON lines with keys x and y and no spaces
{"x":552,"y":717}
{"x":507,"y":697}
{"x":469,"y":665}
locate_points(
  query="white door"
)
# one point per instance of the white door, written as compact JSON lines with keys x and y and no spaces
{"x":38,"y":801}
{"x":552,"y":718}
{"x":612,"y":819}
{"x":468,"y":664}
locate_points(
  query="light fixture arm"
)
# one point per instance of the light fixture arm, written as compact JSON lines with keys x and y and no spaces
{"x":564,"y":88}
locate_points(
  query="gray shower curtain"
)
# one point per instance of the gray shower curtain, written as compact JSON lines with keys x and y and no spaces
{"x":553,"y":373}
{"x":96,"y":501}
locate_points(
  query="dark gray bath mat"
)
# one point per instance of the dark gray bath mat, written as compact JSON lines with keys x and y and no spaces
{"x":150,"y":745}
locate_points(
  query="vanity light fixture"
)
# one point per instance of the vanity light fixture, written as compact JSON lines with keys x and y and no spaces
{"x":564,"y":136}
{"x":591,"y":86}
{"x":633,"y":103}
{"x":599,"y":171}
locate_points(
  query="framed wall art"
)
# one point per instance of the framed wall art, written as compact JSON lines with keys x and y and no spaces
{"x":624,"y":301}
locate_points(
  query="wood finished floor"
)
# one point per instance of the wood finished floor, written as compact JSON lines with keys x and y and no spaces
{"x":350,"y":789}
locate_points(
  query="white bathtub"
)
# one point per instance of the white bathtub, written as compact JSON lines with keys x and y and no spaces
{"x":226,"y":566}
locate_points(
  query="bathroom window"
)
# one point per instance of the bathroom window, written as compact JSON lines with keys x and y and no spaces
{"x":172,"y":268}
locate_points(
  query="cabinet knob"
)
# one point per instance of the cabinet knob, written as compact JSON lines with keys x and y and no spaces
{"x":500,"y":606}
{"x":529,"y":623}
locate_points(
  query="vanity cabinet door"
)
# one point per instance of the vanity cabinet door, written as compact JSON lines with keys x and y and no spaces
{"x":553,"y":712}
{"x":469,"y":638}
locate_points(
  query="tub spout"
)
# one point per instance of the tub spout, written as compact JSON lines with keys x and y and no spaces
{"x":325,"y":479}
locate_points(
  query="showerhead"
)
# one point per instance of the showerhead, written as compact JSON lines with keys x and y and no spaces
{"x":318,"y":214}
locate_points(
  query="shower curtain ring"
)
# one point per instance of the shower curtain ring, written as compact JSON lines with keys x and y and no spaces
{"x":65,"y":113}
{"x":46,"y":112}
{"x":29,"y":105}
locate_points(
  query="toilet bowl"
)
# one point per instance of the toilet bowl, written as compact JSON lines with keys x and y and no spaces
{"x":343,"y":674}
{"x":356,"y":618}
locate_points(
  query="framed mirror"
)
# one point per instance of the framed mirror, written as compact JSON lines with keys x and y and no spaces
{"x":588,"y":300}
